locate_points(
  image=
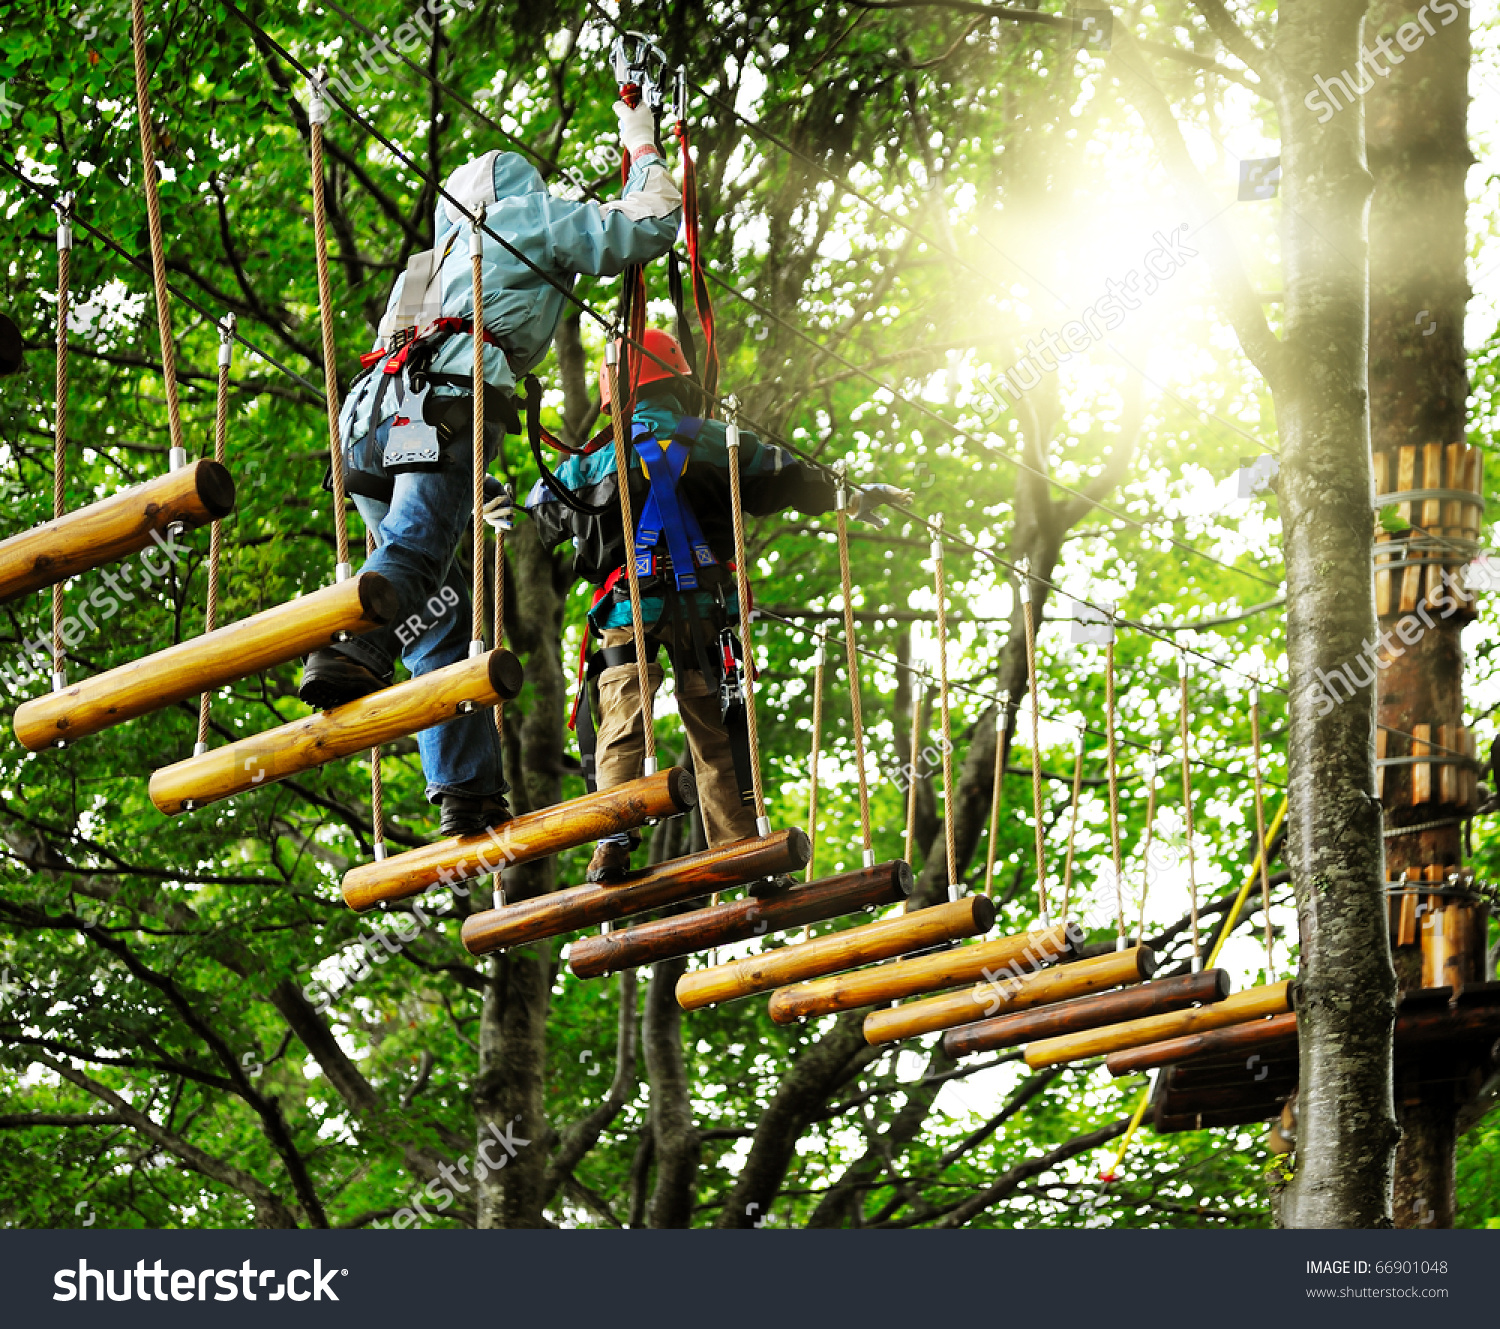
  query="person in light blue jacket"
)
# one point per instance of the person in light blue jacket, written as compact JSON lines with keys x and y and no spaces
{"x":407,"y":421}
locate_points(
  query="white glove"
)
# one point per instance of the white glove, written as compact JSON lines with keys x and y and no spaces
{"x":872,"y":496}
{"x":500,"y":511}
{"x":637,"y":126}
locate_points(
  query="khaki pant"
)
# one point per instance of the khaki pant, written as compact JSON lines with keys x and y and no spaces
{"x":620,"y":747}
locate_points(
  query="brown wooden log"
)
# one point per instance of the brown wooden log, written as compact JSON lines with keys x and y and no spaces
{"x":1236,"y":1038}
{"x":990,"y":998}
{"x":210,"y":661}
{"x":1071,"y":1017}
{"x":1250,"y":1004}
{"x":1005,"y":960}
{"x":381,"y":717}
{"x":522,"y":840}
{"x":842,"y":950}
{"x":737,"y":920}
{"x":667,"y":883}
{"x":113,"y":528}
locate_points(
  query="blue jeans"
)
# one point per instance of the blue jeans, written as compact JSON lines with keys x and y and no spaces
{"x":417,"y":535}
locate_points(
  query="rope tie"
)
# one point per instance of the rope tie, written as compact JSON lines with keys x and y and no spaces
{"x":851,"y":655}
{"x":476,"y":264}
{"x":627,"y":520}
{"x":317,"y":115}
{"x":1036,"y":745}
{"x":941,"y":586}
{"x":742,"y":589}
{"x":997,"y":788}
{"x":1187,"y":806}
{"x":1260,"y":828}
{"x":64,"y":211}
{"x":216,"y":532}
{"x":1073,"y":821}
{"x":158,"y":244}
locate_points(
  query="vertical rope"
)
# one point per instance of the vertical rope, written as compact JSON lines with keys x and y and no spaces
{"x":1187,"y":807}
{"x":851,"y":656}
{"x":1260,"y":829}
{"x":216,"y":532}
{"x":1036,"y":746}
{"x":997,"y":788}
{"x":498,"y":634}
{"x":1146,"y":849}
{"x":377,"y":781}
{"x":1114,"y":783}
{"x":476,"y":264}
{"x":742,"y":588}
{"x":918,"y":689}
{"x":950,"y":840}
{"x":153,"y":218}
{"x":317,"y":114}
{"x":1073,"y":822}
{"x":627,"y":522}
{"x":820,"y":658}
{"x":60,"y":416}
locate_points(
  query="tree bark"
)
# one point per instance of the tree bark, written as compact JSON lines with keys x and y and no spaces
{"x":1417,"y":140}
{"x":677,"y":1145}
{"x":1346,"y":1008}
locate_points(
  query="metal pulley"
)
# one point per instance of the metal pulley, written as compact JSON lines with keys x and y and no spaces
{"x":641,"y":70}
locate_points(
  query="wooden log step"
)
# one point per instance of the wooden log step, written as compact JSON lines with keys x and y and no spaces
{"x":1004,"y":994}
{"x":1071,"y":1017}
{"x":113,"y":528}
{"x":1003,"y":959}
{"x":1235,"y":1038}
{"x":381,"y":717}
{"x":1251,"y":1004}
{"x":522,"y":839}
{"x":668,"y":883}
{"x":842,"y":950}
{"x":210,"y":661}
{"x":738,"y":920}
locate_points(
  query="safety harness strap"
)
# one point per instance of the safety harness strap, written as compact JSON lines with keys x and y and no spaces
{"x":665,"y":513}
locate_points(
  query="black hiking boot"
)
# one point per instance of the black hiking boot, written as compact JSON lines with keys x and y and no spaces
{"x":471,"y":814}
{"x":330,"y":678}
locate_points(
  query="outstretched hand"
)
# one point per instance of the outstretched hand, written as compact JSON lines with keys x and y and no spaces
{"x":637,"y":126}
{"x":869,"y":497}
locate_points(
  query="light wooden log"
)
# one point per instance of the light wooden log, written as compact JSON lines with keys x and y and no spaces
{"x":113,"y":528}
{"x":1244,"y":1037}
{"x":381,"y":717}
{"x":1382,"y":579}
{"x":1250,"y":1004}
{"x":656,"y":887}
{"x":738,"y":920}
{"x":1078,"y":979}
{"x":842,"y":950}
{"x":522,"y":840}
{"x":210,"y":661}
{"x":1104,"y":1008}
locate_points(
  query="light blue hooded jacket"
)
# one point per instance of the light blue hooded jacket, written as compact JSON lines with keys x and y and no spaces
{"x":521,"y":308}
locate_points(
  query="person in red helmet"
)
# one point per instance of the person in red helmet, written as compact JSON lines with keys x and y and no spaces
{"x":684,"y":550}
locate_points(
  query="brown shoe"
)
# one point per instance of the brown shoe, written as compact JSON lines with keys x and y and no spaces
{"x":610,"y":863}
{"x":770,"y":886}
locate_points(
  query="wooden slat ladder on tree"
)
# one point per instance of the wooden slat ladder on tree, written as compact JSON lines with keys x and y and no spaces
{"x":113,"y":528}
{"x":1005,"y":992}
{"x":1251,"y":1004}
{"x":205,"y":663}
{"x":838,"y":951}
{"x":739,"y":920}
{"x":523,"y":839}
{"x":381,"y":717}
{"x":1437,"y":490}
{"x":1071,"y":1017}
{"x":593,"y":904}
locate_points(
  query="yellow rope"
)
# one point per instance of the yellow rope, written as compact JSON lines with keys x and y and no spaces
{"x":476,"y":262}
{"x":1073,"y":826}
{"x":1135,"y":1123}
{"x":1260,"y":829}
{"x":318,"y":117}
{"x":1239,"y":900}
{"x":950,"y":840}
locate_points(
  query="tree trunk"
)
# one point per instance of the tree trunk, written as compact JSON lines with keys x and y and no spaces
{"x":1346,"y":1007}
{"x":677,"y":1146}
{"x":508,"y":1104}
{"x":1417,"y":140}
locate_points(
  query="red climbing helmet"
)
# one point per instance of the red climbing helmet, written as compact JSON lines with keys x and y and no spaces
{"x":661,"y":361}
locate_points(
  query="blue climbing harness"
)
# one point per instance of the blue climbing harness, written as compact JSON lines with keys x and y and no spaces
{"x":665,"y":513}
